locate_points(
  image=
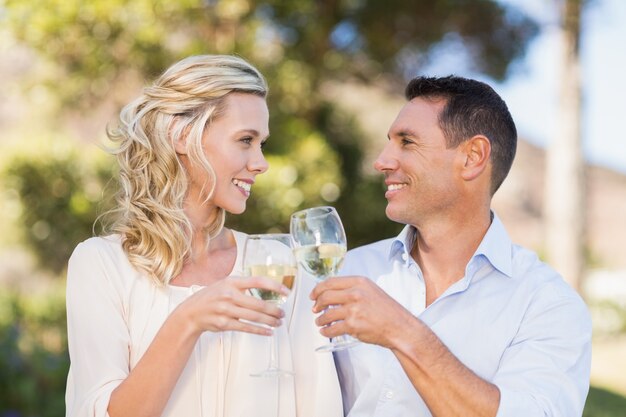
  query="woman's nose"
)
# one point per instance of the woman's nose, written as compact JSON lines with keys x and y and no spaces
{"x":258,"y":164}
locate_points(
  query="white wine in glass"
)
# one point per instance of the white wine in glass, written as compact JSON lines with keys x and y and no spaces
{"x":321,"y":260}
{"x":271,"y":256}
{"x":284,"y":274}
{"x":320,"y":246}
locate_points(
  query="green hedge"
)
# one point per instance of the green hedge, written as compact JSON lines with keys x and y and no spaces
{"x":59,"y":189}
{"x":33,"y":354}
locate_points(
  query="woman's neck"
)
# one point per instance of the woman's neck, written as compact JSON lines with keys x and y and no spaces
{"x":209,"y":262}
{"x":203,"y":216}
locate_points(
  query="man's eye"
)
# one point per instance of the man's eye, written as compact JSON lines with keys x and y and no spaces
{"x":406,"y":141}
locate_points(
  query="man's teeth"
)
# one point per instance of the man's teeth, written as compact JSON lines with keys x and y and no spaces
{"x":394,"y":187}
{"x":241,"y":184}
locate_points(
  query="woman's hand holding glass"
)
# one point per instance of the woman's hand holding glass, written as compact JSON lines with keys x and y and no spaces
{"x":226,"y":305}
{"x":271,"y":256}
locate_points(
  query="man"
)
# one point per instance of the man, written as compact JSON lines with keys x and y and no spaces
{"x":456,"y":320}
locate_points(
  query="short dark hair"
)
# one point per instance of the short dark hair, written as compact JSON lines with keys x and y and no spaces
{"x":472,"y":108}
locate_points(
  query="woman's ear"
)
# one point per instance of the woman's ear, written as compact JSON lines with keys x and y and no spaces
{"x":477,"y":153}
{"x":180,"y":145}
{"x":179,"y":138}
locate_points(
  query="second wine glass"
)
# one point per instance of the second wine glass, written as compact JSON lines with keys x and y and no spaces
{"x":320,"y":246}
{"x":271,"y":255}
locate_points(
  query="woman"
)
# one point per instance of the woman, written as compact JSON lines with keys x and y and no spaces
{"x":156,"y":324}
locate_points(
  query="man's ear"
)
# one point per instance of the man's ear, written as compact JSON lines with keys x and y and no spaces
{"x":477,"y":153}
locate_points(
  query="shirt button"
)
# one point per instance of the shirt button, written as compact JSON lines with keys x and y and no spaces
{"x":389,"y":395}
{"x":405,"y":256}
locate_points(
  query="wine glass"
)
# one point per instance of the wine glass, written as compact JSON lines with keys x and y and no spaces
{"x":320,"y":246}
{"x":271,"y":255}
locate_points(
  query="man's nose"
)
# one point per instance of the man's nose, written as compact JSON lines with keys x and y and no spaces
{"x":386,"y":161}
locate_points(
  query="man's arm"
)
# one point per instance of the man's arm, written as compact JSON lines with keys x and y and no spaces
{"x":364,"y":310}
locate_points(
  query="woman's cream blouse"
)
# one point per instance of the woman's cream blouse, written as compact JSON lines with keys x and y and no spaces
{"x":114,"y":312}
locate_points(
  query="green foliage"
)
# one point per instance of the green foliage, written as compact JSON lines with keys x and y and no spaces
{"x":60,"y":194}
{"x":604,"y":403}
{"x":298,"y":45}
{"x":92,"y":41}
{"x":367,"y":37}
{"x":95,"y":42}
{"x":33,"y":355}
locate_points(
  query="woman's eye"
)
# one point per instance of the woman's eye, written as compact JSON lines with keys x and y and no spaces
{"x":247,"y":140}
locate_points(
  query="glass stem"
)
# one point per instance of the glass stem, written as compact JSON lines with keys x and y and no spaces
{"x":273,"y":352}
{"x":274,"y":349}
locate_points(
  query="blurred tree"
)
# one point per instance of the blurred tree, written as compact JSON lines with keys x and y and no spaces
{"x":61,"y":195}
{"x":95,"y":43}
{"x":298,"y":44}
{"x":565,"y":199}
{"x":33,"y":355}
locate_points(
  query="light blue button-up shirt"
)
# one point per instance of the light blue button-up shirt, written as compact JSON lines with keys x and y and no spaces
{"x":511,"y":319}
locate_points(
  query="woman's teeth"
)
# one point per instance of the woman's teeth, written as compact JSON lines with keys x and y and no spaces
{"x":241,"y":184}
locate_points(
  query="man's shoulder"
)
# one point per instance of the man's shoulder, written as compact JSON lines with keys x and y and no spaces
{"x":540,"y":278}
{"x":527,"y":262}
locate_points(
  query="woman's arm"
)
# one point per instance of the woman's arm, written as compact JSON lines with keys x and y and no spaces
{"x":216,"y":308}
{"x":99,"y":341}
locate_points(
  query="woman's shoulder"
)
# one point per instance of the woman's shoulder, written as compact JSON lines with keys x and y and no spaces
{"x":95,"y":250}
{"x":101,"y":259}
{"x":99,"y":244}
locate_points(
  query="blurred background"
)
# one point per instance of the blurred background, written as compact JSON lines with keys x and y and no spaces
{"x":336,"y":71}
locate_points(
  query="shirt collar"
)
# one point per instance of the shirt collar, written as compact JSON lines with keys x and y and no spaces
{"x":496,"y":246}
{"x":403,"y":243}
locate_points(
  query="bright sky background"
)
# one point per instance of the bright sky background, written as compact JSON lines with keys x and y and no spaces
{"x":531,"y":93}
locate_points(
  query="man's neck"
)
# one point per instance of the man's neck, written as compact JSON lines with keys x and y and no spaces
{"x":443,"y":249}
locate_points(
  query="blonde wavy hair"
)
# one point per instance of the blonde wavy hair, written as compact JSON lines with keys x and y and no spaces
{"x":183,"y":101}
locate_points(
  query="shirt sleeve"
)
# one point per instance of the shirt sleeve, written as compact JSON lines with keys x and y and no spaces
{"x":98,"y":336}
{"x":545,"y":370}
